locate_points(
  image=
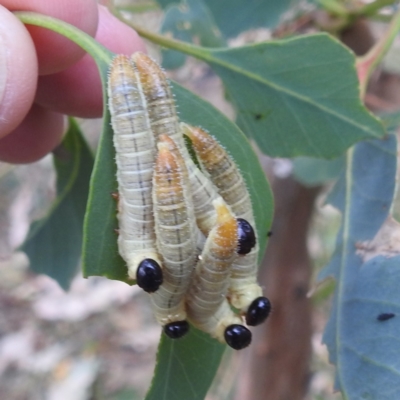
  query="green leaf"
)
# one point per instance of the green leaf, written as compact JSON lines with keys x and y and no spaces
{"x":236,"y":16}
{"x":189,"y":22}
{"x":100,"y":250}
{"x":364,"y":348}
{"x":185,"y":367}
{"x":314,"y":171}
{"x":296,"y":97}
{"x":54,"y":243}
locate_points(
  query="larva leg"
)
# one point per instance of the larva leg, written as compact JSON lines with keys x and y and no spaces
{"x":176,"y":233}
{"x":244,"y":293}
{"x":208,"y":308}
{"x":115,"y":196}
{"x":134,"y":145}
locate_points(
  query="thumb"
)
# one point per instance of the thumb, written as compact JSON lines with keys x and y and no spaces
{"x":18,"y":72}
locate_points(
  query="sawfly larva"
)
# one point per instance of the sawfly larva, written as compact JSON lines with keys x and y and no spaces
{"x":164,"y":120}
{"x":244,"y":292}
{"x":135,"y":152}
{"x":176,"y":233}
{"x":207,"y":306}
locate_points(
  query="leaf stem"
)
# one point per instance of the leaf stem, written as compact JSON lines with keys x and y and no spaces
{"x":366,"y":64}
{"x":82,"y":39}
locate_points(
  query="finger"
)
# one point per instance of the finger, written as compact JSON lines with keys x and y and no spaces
{"x":39,"y":133}
{"x":18,"y":72}
{"x":54,"y":51}
{"x":77,"y":90}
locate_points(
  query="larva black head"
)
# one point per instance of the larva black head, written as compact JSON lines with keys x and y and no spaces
{"x":177,"y":329}
{"x":246,"y":237}
{"x":258,"y":311}
{"x":149,"y":275}
{"x":237,"y":336}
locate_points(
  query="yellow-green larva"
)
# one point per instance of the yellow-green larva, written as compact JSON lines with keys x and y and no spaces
{"x":176,"y":234}
{"x":135,"y":152}
{"x":244,"y":293}
{"x":164,"y":203}
{"x":207,"y":306}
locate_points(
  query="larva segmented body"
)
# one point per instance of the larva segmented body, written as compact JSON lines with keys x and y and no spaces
{"x":223,"y":172}
{"x":244,"y":292}
{"x":160,"y":213}
{"x":134,"y":145}
{"x":164,"y":120}
{"x":176,"y":233}
{"x":208,"y":308}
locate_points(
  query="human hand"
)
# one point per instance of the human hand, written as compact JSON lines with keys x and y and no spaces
{"x":44,"y":75}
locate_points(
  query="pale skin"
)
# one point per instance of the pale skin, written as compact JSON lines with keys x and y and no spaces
{"x":44,"y":77}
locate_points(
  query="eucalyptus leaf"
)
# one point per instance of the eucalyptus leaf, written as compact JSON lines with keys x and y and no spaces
{"x":100,"y":250}
{"x":362,"y":333}
{"x":54,"y":243}
{"x":185,"y":367}
{"x":295,"y":97}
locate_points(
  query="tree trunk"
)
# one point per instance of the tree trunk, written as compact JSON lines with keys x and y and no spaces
{"x":277,"y":363}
